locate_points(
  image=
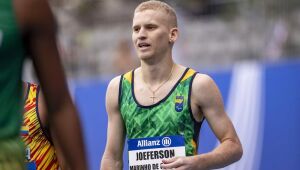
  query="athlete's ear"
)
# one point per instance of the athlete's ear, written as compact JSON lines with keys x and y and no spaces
{"x":173,"y":35}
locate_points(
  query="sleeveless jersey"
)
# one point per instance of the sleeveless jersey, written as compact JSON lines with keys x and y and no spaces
{"x":11,"y":103}
{"x":11,"y":62}
{"x":40,"y":153}
{"x":170,"y":116}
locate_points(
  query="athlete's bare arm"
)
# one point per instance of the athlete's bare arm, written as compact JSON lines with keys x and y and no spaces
{"x":43,"y":115}
{"x":113,"y":155}
{"x":38,"y":28}
{"x":206,"y":99}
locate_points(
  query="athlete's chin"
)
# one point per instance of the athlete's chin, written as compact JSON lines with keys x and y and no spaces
{"x":145,"y":56}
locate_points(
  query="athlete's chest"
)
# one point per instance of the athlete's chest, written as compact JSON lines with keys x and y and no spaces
{"x":167,"y":117}
{"x":147,"y":96}
{"x":173,"y":107}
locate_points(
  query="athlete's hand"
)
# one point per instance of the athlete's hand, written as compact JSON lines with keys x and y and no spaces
{"x":179,"y":163}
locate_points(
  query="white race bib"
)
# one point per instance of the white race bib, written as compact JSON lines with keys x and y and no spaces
{"x":148,"y":153}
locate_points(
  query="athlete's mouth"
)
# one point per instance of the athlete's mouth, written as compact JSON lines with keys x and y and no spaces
{"x":143,"y":45}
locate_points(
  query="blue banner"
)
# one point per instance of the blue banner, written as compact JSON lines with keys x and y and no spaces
{"x":155,"y":142}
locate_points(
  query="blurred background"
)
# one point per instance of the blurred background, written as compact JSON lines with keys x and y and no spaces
{"x":251,"y":48}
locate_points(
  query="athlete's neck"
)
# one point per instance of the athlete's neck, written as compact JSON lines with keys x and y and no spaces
{"x":157,"y":73}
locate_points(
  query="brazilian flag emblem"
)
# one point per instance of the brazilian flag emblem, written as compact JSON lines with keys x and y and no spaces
{"x":179,"y":103}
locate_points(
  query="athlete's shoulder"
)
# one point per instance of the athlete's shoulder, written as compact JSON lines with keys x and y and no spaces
{"x":112,"y":94}
{"x":198,"y":75}
{"x":186,"y":72}
{"x":114,"y":83}
{"x":203,"y":80}
{"x":128,"y":76}
{"x":115,"y":80}
{"x":186,"y":69}
{"x":205,"y":88}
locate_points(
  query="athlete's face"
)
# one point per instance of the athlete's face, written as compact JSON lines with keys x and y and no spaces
{"x":150,"y":33}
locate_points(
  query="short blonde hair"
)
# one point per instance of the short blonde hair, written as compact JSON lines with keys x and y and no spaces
{"x":158,"y":5}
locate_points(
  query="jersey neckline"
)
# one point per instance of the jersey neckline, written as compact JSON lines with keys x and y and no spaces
{"x":163,"y":99}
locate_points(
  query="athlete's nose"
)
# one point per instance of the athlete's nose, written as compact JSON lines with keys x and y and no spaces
{"x":142,"y":34}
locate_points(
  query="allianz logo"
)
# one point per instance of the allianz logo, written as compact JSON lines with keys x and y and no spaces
{"x":166,"y":141}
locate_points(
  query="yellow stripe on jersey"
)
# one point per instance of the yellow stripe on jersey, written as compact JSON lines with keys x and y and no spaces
{"x":194,"y":147}
{"x":188,"y":74}
{"x":128,"y":76}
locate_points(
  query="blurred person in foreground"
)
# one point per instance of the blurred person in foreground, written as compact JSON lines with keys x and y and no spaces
{"x":163,"y":100}
{"x":28,"y":27}
{"x":40,"y":152}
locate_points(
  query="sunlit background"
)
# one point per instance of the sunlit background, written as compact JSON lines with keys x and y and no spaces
{"x":250,"y":47}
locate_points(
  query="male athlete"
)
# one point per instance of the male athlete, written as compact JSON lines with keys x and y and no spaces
{"x":28,"y":27}
{"x":162,"y":99}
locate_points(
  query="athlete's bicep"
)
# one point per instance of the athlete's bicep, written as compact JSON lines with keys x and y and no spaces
{"x":43,"y":115}
{"x":115,"y":130}
{"x":209,"y":99}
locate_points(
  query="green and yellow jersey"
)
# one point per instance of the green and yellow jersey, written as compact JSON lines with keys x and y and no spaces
{"x":11,"y":103}
{"x":170,"y":116}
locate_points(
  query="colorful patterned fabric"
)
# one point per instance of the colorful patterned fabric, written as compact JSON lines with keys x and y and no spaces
{"x":40,"y":153}
{"x":170,"y":116}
